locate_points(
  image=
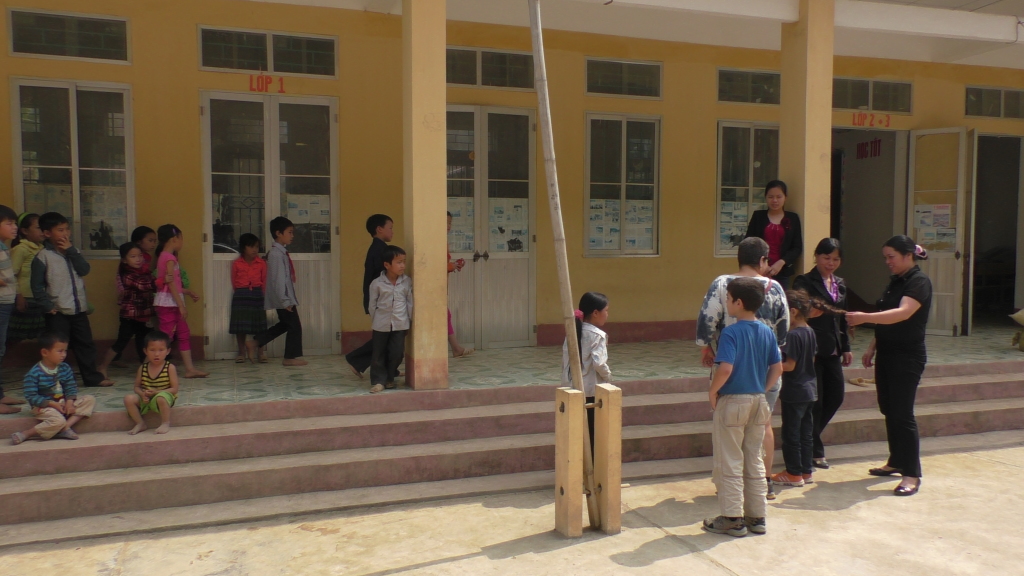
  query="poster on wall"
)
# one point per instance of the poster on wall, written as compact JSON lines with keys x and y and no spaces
{"x":933,"y":225}
{"x":605,"y":225}
{"x":638,"y":227}
{"x":508,"y":221}
{"x":462,"y":237}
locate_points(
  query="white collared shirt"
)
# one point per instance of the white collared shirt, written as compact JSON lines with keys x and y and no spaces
{"x":391,"y":304}
{"x":594,"y":349}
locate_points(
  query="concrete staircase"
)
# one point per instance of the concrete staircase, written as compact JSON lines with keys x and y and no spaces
{"x":249,"y":461}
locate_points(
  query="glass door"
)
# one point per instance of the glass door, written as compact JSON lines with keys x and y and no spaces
{"x":270,"y":156}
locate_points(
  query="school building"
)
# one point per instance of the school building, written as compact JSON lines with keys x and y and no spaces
{"x":669,"y":117}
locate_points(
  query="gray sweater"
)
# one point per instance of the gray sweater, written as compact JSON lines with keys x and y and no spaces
{"x":57,"y":280}
{"x":280,"y":292}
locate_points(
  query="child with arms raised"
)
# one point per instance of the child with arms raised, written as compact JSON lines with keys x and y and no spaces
{"x":156,"y":385}
{"x":748,"y":361}
{"x":51,"y":391}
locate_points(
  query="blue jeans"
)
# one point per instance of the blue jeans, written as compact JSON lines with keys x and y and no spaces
{"x":5,"y":318}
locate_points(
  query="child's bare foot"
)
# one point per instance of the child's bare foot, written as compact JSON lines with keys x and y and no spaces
{"x":138,"y":428}
{"x":355,"y":371}
{"x":102,"y":370}
{"x":252,"y":350}
{"x":11,"y":401}
{"x":196,"y":373}
{"x":294,"y":362}
{"x":106,"y":383}
{"x":164,"y":428}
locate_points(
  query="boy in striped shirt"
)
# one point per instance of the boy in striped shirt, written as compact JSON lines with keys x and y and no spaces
{"x":51,"y":390}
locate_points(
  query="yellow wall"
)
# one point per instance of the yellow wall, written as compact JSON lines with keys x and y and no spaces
{"x":166,"y":85}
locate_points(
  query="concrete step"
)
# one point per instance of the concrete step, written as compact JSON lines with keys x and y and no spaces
{"x":405,"y":401}
{"x":204,"y":443}
{"x":298,"y":505}
{"x":52,"y":497}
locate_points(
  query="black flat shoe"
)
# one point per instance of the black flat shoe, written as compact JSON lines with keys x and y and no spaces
{"x":884,"y":472}
{"x":906,"y":490}
{"x":821,"y":464}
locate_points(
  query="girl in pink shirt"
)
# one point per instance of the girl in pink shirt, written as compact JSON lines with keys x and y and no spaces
{"x":169,"y":301}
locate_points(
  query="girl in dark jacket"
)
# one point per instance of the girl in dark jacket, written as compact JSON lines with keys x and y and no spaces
{"x":780,"y":229}
{"x":833,"y":336}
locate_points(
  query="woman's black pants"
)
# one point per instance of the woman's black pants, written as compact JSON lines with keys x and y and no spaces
{"x":896,"y":379}
{"x":831,"y":392}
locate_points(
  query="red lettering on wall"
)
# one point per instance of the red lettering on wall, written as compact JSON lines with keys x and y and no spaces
{"x":870,"y":119}
{"x":870,"y":149}
{"x":263,"y":83}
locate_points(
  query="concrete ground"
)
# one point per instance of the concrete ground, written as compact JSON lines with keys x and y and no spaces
{"x":962,"y":522}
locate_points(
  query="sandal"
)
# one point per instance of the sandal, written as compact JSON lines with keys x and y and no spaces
{"x":240,"y":359}
{"x":263,"y":358}
{"x":17,"y":438}
{"x":862,"y":382}
{"x":465,"y":352}
{"x":884,"y":472}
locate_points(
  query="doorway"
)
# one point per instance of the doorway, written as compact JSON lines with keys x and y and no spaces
{"x":492,"y":300}
{"x":866,"y":206}
{"x":263,"y":157}
{"x":997,"y":238}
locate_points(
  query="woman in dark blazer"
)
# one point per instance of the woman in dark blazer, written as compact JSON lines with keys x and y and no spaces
{"x":901,"y":352}
{"x":833,"y":337}
{"x":780,"y":229}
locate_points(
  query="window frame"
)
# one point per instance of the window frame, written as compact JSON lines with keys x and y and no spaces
{"x":478,"y":50}
{"x":10,"y":36}
{"x":269,"y":34}
{"x":717,"y":252}
{"x":871,"y":95}
{"x":718,"y":83}
{"x":129,"y":147}
{"x":656,"y":224}
{"x":661,"y":79}
{"x":1002,"y":101}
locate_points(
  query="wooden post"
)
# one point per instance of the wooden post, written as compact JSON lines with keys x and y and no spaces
{"x":569,"y":425}
{"x":608,"y":456}
{"x":558,"y":231}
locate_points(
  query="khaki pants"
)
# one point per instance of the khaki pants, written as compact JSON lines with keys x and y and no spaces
{"x":52,"y":421}
{"x":738,"y":468}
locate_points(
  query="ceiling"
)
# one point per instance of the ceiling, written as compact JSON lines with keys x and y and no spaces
{"x":1006,"y":7}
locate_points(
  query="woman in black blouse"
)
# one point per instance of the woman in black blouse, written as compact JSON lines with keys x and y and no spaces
{"x":780,"y":229}
{"x":833,"y":337}
{"x":900,"y":346}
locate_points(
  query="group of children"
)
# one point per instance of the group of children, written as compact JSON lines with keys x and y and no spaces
{"x":42,"y":296}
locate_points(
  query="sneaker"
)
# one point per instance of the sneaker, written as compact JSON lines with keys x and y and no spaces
{"x":770,"y":495}
{"x":723,"y":525}
{"x":787,"y":479}
{"x":808,"y":479}
{"x":376,"y":388}
{"x":821,"y":464}
{"x":755,"y":525}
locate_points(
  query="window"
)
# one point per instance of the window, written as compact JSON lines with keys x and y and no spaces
{"x":995,"y":103}
{"x":749,"y":87}
{"x":622,"y":185}
{"x":863,"y":94}
{"x":624,"y":78}
{"x":76,"y":159}
{"x":70,"y":36}
{"x":748,"y":158}
{"x":264,"y":51}
{"x":473,"y":67}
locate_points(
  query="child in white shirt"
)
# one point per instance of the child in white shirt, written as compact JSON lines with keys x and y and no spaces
{"x":593,"y":346}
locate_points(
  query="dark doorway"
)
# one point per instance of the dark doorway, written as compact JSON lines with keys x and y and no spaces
{"x":995,"y":225}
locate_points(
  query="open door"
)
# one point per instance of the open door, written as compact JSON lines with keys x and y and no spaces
{"x":937,"y":219}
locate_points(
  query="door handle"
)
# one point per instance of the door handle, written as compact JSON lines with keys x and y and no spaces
{"x":486,"y":256}
{"x":957,"y":255}
{"x":476,"y":256}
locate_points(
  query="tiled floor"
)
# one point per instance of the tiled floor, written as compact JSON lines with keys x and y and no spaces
{"x":327,"y":376}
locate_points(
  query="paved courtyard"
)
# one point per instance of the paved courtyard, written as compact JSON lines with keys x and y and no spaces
{"x":961,"y":523}
{"x":327,"y":376}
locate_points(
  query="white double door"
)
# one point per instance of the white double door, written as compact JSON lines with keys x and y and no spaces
{"x":263,"y":157}
{"x":491,"y":195}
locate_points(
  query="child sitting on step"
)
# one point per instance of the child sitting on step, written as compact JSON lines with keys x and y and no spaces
{"x":51,"y":391}
{"x":156,"y":385}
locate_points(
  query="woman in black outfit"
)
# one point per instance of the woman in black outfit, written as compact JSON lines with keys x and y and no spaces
{"x":833,"y":337}
{"x":780,"y":229}
{"x":900,"y":346}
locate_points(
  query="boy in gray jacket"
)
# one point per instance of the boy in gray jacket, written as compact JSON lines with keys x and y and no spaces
{"x":58,"y":287}
{"x":390,"y":306}
{"x":280,"y":296}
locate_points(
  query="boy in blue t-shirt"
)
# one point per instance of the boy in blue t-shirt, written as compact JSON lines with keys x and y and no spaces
{"x":748,"y":360}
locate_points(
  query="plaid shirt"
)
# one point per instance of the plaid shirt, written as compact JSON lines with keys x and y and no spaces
{"x":136,"y":298}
